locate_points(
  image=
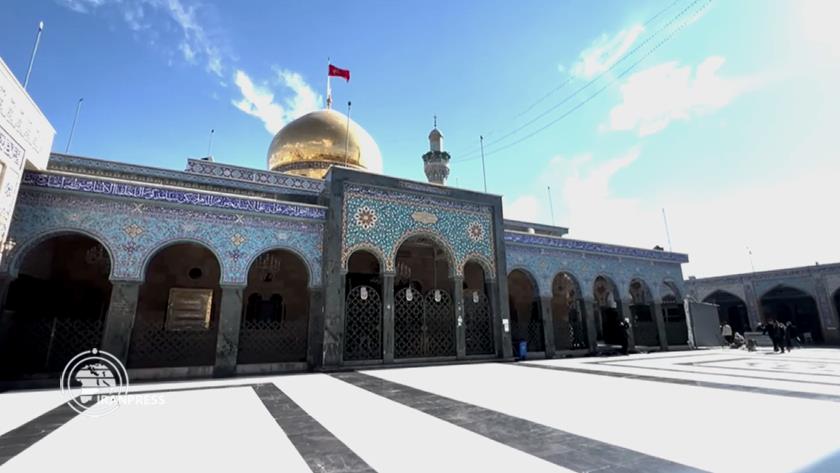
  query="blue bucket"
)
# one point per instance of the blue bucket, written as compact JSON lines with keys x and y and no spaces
{"x":523,"y":349}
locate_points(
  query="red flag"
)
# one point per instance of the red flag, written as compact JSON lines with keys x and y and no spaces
{"x":338,"y":72}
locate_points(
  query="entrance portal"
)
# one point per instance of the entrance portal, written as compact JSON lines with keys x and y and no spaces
{"x":56,"y":307}
{"x":424,"y":312}
{"x":788,"y":304}
{"x":363,"y":308}
{"x":567,"y":313}
{"x":177,"y":309}
{"x":641,"y":309}
{"x":275,"y":319}
{"x":525,"y":312}
{"x":731,"y":309}
{"x":478,"y":319}
{"x":607,"y":312}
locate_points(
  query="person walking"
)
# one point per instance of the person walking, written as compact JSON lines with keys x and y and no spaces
{"x":790,"y":335}
{"x":726,"y":331}
{"x":771,"y":329}
{"x":624,"y":325}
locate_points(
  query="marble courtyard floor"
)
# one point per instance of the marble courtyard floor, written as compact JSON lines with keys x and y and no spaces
{"x":706,"y":410}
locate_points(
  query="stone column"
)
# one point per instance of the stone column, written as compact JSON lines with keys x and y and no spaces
{"x":501,"y":318}
{"x":827,"y":315}
{"x":624,"y":307}
{"x":5,"y":281}
{"x":315,"y":334}
{"x":388,"y":317}
{"x":227,"y":341}
{"x":122,"y":309}
{"x":659,"y":318}
{"x":591,"y":330}
{"x":548,"y":326}
{"x":753,"y":306}
{"x":460,"y":329}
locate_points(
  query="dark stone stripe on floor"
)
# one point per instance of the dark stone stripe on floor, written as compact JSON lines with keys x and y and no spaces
{"x":729,"y":375}
{"x":556,"y":446}
{"x":690,"y":382}
{"x":321,"y":450}
{"x":19,"y":439}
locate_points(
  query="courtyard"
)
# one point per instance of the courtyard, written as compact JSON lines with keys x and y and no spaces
{"x":709,"y":410}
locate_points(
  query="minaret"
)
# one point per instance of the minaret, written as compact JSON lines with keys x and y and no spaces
{"x":436,"y":161}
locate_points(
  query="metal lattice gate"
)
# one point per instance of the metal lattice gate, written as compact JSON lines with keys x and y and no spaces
{"x":363,"y":324}
{"x":424,"y":326}
{"x":273,"y":341}
{"x":536,"y":334}
{"x":478,"y":325}
{"x":32,"y":345}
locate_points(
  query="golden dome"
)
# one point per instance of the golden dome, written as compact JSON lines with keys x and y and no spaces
{"x":311,"y":144}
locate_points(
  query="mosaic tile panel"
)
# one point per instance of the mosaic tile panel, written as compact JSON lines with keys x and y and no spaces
{"x":172,"y":196}
{"x":147,"y":174}
{"x":380,"y":220}
{"x":604,"y":248}
{"x":208,"y":168}
{"x":133,"y":231}
{"x":545,"y":263}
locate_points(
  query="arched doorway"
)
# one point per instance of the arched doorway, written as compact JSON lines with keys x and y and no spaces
{"x":731,"y":309}
{"x":363,"y":308}
{"x":56,"y":307}
{"x":788,"y":304}
{"x":177,"y":309}
{"x":673,"y":312}
{"x":424,"y":312}
{"x":567,"y":313}
{"x":607,"y":312}
{"x":478,"y":318}
{"x":275,"y":316}
{"x":525,"y":312}
{"x":641,"y":310}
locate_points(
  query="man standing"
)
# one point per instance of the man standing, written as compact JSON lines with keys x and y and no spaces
{"x":726,"y":331}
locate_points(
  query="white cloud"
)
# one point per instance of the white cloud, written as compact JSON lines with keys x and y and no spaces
{"x":81,"y":6}
{"x":604,"y":52}
{"x":193,"y":40}
{"x":525,"y":208}
{"x":779,"y":218}
{"x":654,"y":97}
{"x":259,"y":100}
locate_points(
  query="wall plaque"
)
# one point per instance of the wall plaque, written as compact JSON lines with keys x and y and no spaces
{"x":189,"y":309}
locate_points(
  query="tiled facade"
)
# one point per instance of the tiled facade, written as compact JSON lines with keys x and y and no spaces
{"x":381,"y":220}
{"x":544,"y":258}
{"x":820,"y":282}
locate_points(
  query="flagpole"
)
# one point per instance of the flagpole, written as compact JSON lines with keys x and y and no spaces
{"x":34,"y":51}
{"x":210,"y":143}
{"x":551,"y":205}
{"x":667,"y":230}
{"x":347,"y":136}
{"x":483,"y":170}
{"x":329,"y":89}
{"x":73,"y":128}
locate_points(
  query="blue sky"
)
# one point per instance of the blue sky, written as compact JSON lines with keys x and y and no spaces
{"x":727,"y":117}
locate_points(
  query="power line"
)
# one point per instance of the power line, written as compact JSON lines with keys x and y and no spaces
{"x":599,"y":91}
{"x":474,"y":149}
{"x":468,"y":156}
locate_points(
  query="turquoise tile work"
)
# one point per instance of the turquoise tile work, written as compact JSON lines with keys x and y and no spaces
{"x":380,"y":220}
{"x":545,"y":263}
{"x":133,"y":231}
